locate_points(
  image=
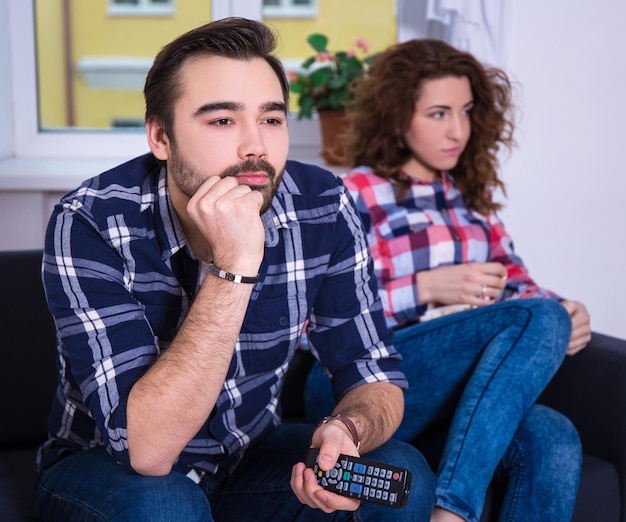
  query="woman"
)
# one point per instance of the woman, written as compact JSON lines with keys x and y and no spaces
{"x":426,"y":127}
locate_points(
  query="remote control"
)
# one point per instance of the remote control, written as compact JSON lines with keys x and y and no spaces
{"x":364,"y":479}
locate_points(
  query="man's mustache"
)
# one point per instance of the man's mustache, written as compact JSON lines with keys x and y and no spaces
{"x":250,"y":165}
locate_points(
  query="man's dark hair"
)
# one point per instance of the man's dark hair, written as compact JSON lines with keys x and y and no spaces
{"x":237,"y":38}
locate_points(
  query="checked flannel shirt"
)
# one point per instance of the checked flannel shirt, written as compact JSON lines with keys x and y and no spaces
{"x":119,"y":281}
{"x":429,"y":228}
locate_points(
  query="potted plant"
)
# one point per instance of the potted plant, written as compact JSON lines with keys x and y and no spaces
{"x":323,"y":85}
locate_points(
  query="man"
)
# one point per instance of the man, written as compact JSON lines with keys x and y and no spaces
{"x":180,"y":283}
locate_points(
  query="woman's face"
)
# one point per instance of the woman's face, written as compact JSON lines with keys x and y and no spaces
{"x":440,"y":127}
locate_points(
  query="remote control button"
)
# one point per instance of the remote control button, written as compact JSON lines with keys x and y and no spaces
{"x":356,"y":488}
{"x":360,"y":468}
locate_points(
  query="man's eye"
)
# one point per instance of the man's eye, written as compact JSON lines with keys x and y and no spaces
{"x":273,"y":121}
{"x":221,"y":122}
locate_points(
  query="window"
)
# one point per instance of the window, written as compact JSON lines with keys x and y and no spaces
{"x":141,"y":7}
{"x":28,"y":128}
{"x":290,"y":8}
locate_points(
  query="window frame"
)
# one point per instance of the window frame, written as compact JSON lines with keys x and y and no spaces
{"x":143,"y":8}
{"x":287,"y":9}
{"x":20,"y":136}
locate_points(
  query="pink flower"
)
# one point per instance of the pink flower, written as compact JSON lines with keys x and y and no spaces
{"x":324,"y":57}
{"x":350,"y":53}
{"x":363,"y":45}
{"x":292,"y":76}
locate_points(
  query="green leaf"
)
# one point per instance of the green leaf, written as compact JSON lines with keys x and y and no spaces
{"x":306,"y":108}
{"x":318,"y":42}
{"x":308,"y":62}
{"x":320,"y":77}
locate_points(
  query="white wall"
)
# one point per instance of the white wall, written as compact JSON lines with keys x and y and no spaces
{"x":566,"y":180}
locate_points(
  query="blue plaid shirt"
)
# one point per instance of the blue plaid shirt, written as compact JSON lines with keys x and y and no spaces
{"x":120,"y":280}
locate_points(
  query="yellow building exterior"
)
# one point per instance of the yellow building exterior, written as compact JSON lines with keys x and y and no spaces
{"x":91,"y":64}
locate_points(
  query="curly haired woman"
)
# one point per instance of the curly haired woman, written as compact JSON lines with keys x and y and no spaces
{"x":480,"y":340}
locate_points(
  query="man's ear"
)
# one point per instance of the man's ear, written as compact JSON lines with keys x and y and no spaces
{"x":158,"y":139}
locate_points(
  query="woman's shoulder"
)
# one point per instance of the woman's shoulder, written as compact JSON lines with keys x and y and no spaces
{"x":361,"y":177}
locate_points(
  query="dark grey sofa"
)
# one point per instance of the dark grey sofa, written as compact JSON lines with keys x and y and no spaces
{"x":590,"y":388}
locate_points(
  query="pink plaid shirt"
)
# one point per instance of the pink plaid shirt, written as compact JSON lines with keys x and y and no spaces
{"x":430,"y":227}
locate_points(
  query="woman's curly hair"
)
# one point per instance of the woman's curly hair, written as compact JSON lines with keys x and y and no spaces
{"x":384,"y":106}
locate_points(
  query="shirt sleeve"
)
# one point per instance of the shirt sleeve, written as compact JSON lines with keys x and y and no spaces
{"x":519,"y":283}
{"x":105,"y":340}
{"x":399,"y":293}
{"x":347,"y":329}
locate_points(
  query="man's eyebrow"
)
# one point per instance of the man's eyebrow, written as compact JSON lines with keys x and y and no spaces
{"x":208,"y":108}
{"x":219,"y":106}
{"x":274,"y":106}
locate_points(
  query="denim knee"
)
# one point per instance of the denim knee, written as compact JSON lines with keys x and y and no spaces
{"x":551,"y":321}
{"x":90,"y":485}
{"x":422,"y":496}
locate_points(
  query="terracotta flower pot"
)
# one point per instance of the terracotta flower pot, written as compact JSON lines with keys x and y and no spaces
{"x":332,"y":125}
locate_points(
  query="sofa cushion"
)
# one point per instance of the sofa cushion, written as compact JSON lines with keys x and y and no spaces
{"x":28,"y":377}
{"x":17,"y":480}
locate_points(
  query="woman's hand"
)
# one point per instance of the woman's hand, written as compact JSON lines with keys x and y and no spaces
{"x":581,"y":326}
{"x":476,"y":284}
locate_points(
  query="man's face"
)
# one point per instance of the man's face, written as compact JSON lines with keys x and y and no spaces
{"x":230,"y":121}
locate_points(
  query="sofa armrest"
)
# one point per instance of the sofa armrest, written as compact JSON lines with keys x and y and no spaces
{"x":590,"y":389}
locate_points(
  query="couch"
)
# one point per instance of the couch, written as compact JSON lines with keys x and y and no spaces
{"x":590,"y":388}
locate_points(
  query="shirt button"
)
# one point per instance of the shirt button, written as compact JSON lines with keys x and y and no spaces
{"x":283,"y":321}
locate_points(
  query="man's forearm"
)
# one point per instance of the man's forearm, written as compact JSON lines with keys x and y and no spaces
{"x":376,"y":410}
{"x":171,"y":402}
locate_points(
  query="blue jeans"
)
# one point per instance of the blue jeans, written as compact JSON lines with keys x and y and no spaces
{"x":483,"y":370}
{"x":91,"y":486}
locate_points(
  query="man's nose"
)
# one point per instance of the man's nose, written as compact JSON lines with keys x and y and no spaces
{"x":252,"y":143}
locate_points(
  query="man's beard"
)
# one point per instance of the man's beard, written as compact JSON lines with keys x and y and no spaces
{"x":188,"y":178}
